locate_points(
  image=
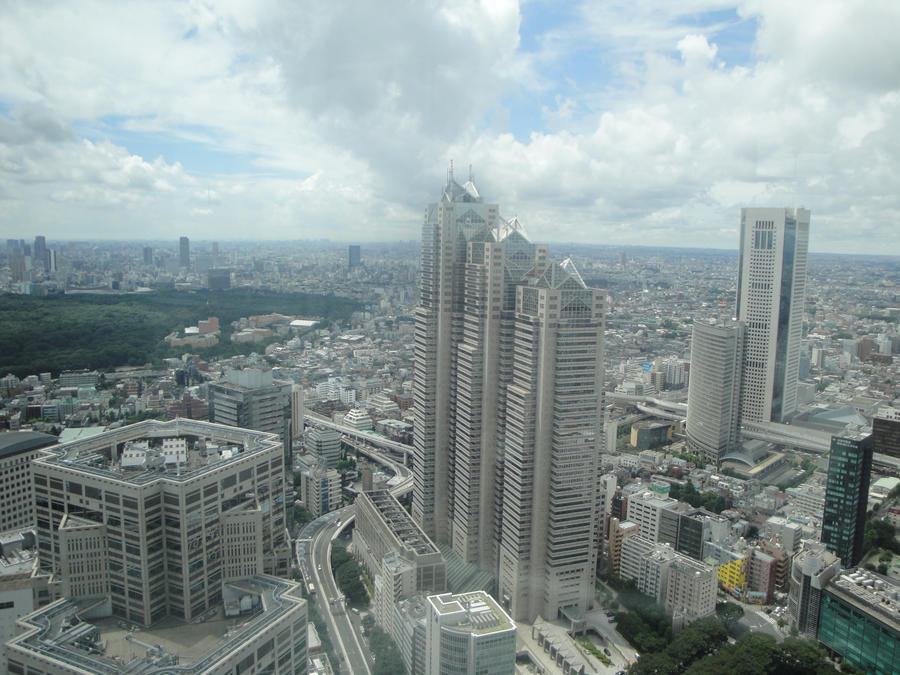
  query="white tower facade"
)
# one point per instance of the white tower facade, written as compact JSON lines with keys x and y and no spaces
{"x":713,"y":419}
{"x":771,"y":293}
{"x":550,"y":522}
{"x":460,"y":217}
{"x":507,"y":391}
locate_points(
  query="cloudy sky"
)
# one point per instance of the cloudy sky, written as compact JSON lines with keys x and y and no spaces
{"x":611,"y":122}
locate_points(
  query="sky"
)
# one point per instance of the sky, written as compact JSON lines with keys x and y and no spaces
{"x":617,"y":122}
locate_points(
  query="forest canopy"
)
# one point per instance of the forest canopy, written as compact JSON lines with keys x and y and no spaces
{"x":70,"y":332}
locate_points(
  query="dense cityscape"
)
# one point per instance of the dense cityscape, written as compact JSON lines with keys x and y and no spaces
{"x":478,"y":454}
{"x":455,"y":337}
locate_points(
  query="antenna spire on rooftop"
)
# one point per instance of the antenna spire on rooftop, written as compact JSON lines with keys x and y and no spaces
{"x":451,"y":169}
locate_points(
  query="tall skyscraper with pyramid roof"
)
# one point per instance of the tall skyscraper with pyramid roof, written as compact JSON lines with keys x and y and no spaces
{"x":508,"y":395}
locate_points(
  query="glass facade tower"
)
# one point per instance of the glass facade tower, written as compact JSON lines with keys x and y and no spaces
{"x":846,"y":497}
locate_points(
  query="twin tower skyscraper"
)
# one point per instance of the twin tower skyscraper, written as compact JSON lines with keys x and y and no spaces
{"x":508,"y":387}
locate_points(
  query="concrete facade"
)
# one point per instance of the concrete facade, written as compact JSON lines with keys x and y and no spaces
{"x":508,"y":363}
{"x":771,"y":293}
{"x":469,"y":633}
{"x":157,"y":533}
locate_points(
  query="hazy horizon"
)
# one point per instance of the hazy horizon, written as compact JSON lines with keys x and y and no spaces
{"x":592,"y":122}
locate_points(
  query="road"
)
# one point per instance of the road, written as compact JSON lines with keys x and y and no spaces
{"x":366,"y":436}
{"x":755,"y":621}
{"x":313,"y":554}
{"x":330,"y":599}
{"x":622,"y":653}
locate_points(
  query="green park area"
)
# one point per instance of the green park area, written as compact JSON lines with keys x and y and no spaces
{"x":102,"y":332}
{"x":703,"y":647}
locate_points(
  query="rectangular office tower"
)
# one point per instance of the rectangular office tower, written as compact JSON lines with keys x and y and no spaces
{"x":184,"y":252}
{"x":507,"y":389}
{"x":771,"y":293}
{"x":713,"y":420}
{"x":847,"y":496}
{"x":354,"y":256}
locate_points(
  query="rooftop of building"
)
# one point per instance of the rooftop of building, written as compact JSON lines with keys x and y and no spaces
{"x":476,"y":612}
{"x":415,"y":607}
{"x":16,"y":442}
{"x":17,"y":553}
{"x":833,"y":419}
{"x":651,"y":498}
{"x":137,"y":453}
{"x":64,"y":632}
{"x":651,"y":424}
{"x":870,"y":592}
{"x":885,"y":484}
{"x":79,"y":433}
{"x":400,"y":522}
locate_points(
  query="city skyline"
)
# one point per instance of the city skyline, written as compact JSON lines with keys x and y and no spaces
{"x":604,"y":123}
{"x":528,"y":406}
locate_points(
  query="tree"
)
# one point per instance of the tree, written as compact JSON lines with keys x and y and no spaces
{"x":695,"y":641}
{"x":803,"y":656}
{"x":339,"y":556}
{"x":302,"y":515}
{"x":655,"y":664}
{"x":387,"y":657}
{"x":752,"y":654}
{"x":346,"y":465}
{"x":879,"y":534}
{"x":729,"y":612}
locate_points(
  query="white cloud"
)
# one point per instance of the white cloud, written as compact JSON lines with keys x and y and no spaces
{"x":696,"y":50}
{"x":343,"y":116}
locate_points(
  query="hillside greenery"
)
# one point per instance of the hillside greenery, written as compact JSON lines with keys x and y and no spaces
{"x":71,"y":332}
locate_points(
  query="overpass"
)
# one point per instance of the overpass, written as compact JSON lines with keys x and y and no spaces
{"x":657,"y":407}
{"x":810,"y":440}
{"x":368,"y":436}
{"x":786,"y":434}
{"x":401,"y":487}
{"x":671,"y":406}
{"x":313,"y":553}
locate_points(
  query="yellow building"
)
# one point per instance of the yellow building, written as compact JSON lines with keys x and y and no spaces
{"x":733,"y":576}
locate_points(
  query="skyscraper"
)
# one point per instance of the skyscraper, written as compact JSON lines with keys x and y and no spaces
{"x":354,"y":256}
{"x":40,"y":254}
{"x":713,"y":421}
{"x":184,"y":252}
{"x":771,"y":293}
{"x":847,"y":496}
{"x":507,"y":389}
{"x":811,"y":570}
